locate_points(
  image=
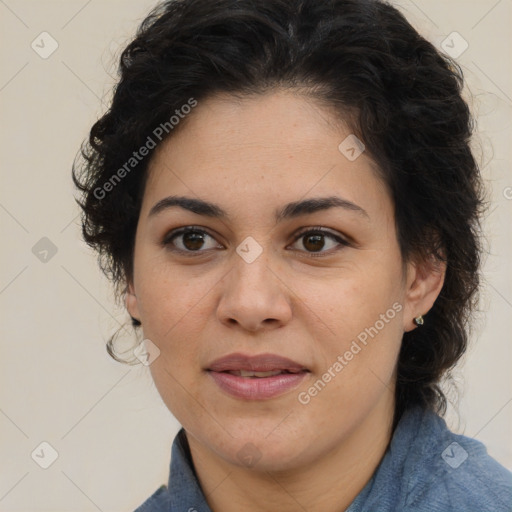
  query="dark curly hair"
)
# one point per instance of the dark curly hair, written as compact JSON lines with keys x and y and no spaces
{"x":362,"y":59}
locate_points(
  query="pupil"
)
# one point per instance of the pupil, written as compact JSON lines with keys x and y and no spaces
{"x":193,"y":240}
{"x":317,"y":239}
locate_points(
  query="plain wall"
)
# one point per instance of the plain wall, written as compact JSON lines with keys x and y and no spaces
{"x":57,"y":384}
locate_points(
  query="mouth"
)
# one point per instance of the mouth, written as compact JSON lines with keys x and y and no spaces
{"x":256,"y":377}
{"x":258,"y":364}
{"x":259,"y":375}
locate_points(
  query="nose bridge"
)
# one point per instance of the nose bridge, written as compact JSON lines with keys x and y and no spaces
{"x":252,"y":272}
{"x":252,"y":293}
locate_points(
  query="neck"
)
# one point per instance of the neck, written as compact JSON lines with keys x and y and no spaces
{"x":329,"y":483}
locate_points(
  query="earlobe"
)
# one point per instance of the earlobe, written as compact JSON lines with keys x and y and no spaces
{"x":131,"y":304}
{"x":424,"y":283}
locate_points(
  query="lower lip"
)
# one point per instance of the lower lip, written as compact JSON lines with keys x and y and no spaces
{"x":257,"y":388}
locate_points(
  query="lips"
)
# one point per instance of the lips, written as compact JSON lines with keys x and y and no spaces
{"x":259,"y":363}
{"x":258,"y":377}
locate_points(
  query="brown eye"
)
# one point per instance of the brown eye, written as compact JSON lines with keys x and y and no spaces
{"x":193,"y":240}
{"x":189,"y":240}
{"x":314,"y":240}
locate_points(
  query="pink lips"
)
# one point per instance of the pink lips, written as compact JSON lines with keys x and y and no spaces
{"x":226,"y":373}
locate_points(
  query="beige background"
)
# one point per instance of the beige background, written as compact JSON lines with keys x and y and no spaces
{"x":57,"y":384}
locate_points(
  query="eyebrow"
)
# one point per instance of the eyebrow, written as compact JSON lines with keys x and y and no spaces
{"x":289,"y":211}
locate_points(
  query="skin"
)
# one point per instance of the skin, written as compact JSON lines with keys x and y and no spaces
{"x":252,"y":156}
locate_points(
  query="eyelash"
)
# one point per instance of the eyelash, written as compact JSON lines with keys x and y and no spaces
{"x":167,"y":241}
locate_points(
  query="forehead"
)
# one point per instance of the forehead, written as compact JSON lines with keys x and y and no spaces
{"x":254,"y":152}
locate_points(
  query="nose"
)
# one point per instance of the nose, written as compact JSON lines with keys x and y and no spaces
{"x":253,"y":297}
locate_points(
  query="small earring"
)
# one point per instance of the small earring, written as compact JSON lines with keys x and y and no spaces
{"x":419,"y":320}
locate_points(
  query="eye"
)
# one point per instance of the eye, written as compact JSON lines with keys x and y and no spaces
{"x":314,"y":241}
{"x":189,"y":239}
{"x":193,"y":239}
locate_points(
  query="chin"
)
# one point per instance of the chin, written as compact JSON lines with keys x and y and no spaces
{"x":264,"y":457}
{"x":258,"y":451}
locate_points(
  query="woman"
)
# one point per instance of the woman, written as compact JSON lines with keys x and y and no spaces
{"x":284,"y":194}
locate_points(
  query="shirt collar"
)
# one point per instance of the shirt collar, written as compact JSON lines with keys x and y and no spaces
{"x":184,"y":490}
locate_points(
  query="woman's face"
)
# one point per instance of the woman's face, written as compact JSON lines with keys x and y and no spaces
{"x":275,"y":275}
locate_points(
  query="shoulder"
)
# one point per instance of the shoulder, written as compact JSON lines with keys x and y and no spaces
{"x":159,"y":501}
{"x":447,"y":471}
{"x":183,"y":492}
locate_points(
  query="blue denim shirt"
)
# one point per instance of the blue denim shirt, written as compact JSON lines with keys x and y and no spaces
{"x":426,"y":468}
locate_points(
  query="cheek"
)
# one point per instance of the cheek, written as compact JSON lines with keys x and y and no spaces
{"x":357,"y":299}
{"x":364,"y":314}
{"x":357,"y":362}
{"x":171,"y":299}
{"x":174,"y":310}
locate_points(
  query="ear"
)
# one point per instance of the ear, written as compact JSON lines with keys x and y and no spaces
{"x":131,"y":302}
{"x":425,"y":279}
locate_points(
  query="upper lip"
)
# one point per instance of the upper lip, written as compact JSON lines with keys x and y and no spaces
{"x":257,"y":363}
